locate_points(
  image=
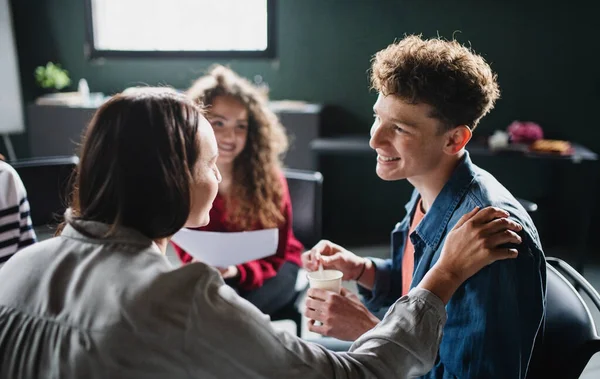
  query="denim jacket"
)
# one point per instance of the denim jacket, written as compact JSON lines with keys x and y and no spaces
{"x":494,"y":317}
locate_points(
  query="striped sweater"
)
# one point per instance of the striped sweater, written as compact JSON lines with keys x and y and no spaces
{"x":16,"y":230}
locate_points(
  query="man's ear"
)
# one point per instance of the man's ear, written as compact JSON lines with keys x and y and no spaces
{"x":457,"y":138}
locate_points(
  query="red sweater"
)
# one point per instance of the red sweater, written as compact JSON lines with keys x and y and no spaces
{"x":254,"y":273}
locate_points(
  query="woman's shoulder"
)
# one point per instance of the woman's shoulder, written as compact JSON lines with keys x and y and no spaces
{"x":5,"y":167}
{"x":8,"y":171}
{"x":30,"y":261}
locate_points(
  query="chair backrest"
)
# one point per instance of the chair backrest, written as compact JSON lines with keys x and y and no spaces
{"x":47,"y":181}
{"x":306,"y":193}
{"x":529,"y":206}
{"x":569,"y":328}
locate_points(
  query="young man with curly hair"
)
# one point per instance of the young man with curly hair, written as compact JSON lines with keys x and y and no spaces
{"x":432,"y":95}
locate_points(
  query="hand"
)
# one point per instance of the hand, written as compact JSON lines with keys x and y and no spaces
{"x":335,"y":257}
{"x":229,"y":272}
{"x":475,"y":241}
{"x":342,"y":316}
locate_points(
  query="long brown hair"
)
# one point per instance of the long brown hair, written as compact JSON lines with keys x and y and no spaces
{"x":256,"y":187}
{"x":136,"y":162}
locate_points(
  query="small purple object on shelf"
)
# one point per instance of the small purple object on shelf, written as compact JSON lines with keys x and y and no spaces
{"x":524,"y":132}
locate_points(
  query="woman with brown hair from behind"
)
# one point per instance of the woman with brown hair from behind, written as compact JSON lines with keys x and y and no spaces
{"x":253,"y":193}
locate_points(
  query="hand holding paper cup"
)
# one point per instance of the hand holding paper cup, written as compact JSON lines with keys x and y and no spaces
{"x":329,"y":280}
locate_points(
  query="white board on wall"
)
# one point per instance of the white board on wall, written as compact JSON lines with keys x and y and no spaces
{"x":11,"y":104}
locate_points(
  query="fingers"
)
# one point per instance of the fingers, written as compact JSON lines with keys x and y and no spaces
{"x":310,"y":261}
{"x":316,"y":309}
{"x":314,"y":304}
{"x":501,"y":224}
{"x":311,"y":258}
{"x":326,"y":247}
{"x":466,"y":217}
{"x":501,"y":238}
{"x":313,"y":314}
{"x":319,"y":294}
{"x":322,"y":247}
{"x":329,"y":260}
{"x":488,"y":214}
{"x":503,"y":253}
{"x":321,"y":329}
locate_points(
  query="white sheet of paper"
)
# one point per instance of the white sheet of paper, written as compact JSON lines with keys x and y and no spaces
{"x":226,"y":249}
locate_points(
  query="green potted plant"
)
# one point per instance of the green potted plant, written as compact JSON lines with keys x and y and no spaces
{"x":52,"y":77}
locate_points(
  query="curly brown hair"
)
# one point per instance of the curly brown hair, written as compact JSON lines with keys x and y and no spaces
{"x":454,"y":80}
{"x":256,"y":189}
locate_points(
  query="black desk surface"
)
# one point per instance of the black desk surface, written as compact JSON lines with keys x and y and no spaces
{"x":353,"y":145}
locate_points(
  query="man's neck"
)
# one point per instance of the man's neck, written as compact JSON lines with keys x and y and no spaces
{"x":429,"y":186}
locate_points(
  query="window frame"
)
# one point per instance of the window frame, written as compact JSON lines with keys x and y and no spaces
{"x":91,"y":52}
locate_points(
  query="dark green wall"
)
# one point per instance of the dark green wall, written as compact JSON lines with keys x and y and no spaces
{"x":545,"y":56}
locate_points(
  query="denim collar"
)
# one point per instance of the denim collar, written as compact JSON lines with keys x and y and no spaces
{"x":433,"y":226}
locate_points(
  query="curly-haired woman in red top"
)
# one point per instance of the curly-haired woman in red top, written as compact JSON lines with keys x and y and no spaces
{"x":253,"y":193}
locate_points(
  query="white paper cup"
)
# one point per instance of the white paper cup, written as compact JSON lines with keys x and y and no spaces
{"x":330,"y":280}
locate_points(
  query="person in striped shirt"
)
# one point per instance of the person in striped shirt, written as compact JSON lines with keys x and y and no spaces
{"x":16,"y":230}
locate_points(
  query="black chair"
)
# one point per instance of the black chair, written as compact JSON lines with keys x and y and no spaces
{"x":48,"y":184}
{"x":569,"y":338}
{"x":306,"y":194}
